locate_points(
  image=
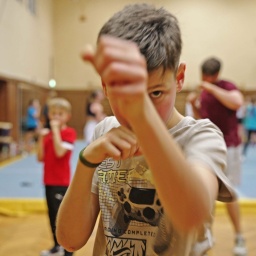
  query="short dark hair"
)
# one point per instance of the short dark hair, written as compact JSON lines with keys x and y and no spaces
{"x":155,"y":31}
{"x":211,"y":66}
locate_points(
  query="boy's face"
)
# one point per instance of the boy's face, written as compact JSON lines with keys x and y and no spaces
{"x":162,"y":89}
{"x":162,"y":92}
{"x":59,"y":114}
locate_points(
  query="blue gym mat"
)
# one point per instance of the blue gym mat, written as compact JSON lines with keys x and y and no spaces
{"x":23,"y":178}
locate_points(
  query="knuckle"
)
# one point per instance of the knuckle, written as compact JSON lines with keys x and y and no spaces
{"x":112,"y":69}
{"x":106,"y":54}
{"x":127,"y":147}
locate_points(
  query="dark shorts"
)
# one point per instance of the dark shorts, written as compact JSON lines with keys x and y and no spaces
{"x":31,"y":129}
{"x":240,"y":120}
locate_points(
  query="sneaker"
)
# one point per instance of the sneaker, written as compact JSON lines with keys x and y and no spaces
{"x":240,"y":249}
{"x":54,"y":251}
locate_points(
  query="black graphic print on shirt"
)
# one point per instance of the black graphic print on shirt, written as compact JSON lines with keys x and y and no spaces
{"x":133,"y":217}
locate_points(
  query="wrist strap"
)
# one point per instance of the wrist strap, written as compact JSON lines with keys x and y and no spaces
{"x":85,"y":162}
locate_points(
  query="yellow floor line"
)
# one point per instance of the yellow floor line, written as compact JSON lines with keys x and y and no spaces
{"x":246,"y":206}
{"x":20,"y":207}
{"x":23,"y":206}
{"x":13,"y":159}
{"x":10,"y":160}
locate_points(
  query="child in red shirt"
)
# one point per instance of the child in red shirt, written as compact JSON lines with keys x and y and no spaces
{"x":55,"y":146}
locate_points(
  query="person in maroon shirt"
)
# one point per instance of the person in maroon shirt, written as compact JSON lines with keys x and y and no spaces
{"x":218,"y":101}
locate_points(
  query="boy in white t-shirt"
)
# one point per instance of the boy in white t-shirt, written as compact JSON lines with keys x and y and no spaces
{"x":153,"y":174}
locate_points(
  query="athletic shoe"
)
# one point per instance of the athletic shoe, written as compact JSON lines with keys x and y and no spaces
{"x":54,"y":251}
{"x":240,"y":249}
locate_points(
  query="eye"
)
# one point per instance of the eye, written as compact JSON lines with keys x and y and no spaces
{"x":156,"y":94}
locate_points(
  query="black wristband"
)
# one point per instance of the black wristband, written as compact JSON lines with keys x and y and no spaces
{"x":85,"y":162}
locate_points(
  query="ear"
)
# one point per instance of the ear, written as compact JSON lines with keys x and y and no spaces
{"x":180,"y":77}
{"x":104,"y":87}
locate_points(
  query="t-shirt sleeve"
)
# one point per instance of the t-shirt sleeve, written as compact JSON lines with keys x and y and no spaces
{"x":68,"y":138}
{"x":207,"y":146}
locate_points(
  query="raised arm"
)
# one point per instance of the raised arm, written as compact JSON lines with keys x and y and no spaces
{"x":59,"y":149}
{"x":181,"y":186}
{"x":192,"y":98}
{"x":40,"y":146}
{"x":231,"y":99}
{"x":80,"y":207}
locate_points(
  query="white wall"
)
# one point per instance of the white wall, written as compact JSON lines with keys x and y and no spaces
{"x":26,"y":46}
{"x":224,"y":28}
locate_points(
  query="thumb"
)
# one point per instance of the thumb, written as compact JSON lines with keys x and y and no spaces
{"x":138,"y":152}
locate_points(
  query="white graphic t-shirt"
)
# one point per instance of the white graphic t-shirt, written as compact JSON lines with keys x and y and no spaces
{"x":133,"y":222}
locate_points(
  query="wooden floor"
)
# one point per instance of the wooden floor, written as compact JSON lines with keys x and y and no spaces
{"x":28,"y":235}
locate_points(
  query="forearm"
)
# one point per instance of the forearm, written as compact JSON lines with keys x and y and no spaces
{"x":193,"y":99}
{"x":57,"y":142}
{"x":231,"y":99}
{"x":176,"y":181}
{"x":78,"y":211}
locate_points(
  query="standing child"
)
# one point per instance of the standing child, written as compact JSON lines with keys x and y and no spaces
{"x":32,"y":124}
{"x":54,"y":150}
{"x":151,"y":173}
{"x":94,"y":114}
